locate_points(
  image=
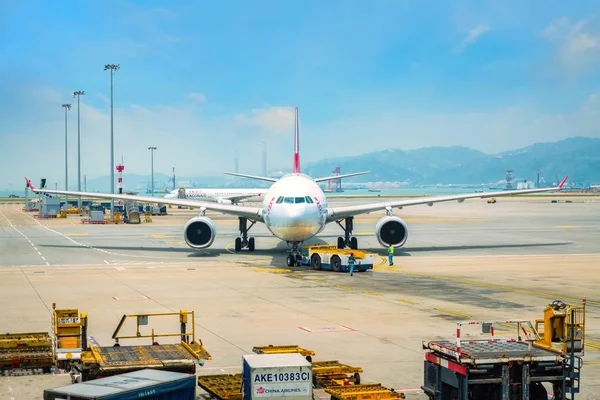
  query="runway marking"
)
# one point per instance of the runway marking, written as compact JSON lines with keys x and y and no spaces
{"x":176,"y":242}
{"x":77,"y":234}
{"x":317,"y":280}
{"x":567,"y":227}
{"x":274,"y":270}
{"x":340,"y":328}
{"x":383,"y":261}
{"x":296,"y":276}
{"x":344,"y":287}
{"x":591,"y":362}
{"x":371,"y":293}
{"x":131,"y":298}
{"x":22,"y":234}
{"x":120,"y":268}
{"x":452,"y":312}
{"x":158,"y":236}
{"x":593,"y":346}
{"x":406,"y":301}
{"x":106,"y":262}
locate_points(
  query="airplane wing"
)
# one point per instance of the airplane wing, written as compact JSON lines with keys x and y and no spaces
{"x":260,"y":178}
{"x":253,"y":213}
{"x":235,"y":198}
{"x":329,"y":178}
{"x":337,"y":213}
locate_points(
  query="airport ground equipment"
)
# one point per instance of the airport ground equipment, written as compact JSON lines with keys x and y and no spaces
{"x":69,"y":335}
{"x":100,"y":361}
{"x":562,"y":328}
{"x":270,"y":349}
{"x":363,"y":392}
{"x":509,"y":368}
{"x":326,"y":373}
{"x":223,"y":387}
{"x":26,"y":350}
{"x":330,"y":257}
{"x":143,"y":384}
{"x":277,"y":376}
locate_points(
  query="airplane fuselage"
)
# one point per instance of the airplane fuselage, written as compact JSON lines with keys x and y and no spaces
{"x":295,"y":208}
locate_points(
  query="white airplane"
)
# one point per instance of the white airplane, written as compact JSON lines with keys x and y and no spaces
{"x":295,"y":209}
{"x":221,"y":196}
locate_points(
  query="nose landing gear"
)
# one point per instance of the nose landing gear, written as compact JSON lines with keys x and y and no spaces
{"x":294,"y":258}
{"x":243,"y":241}
{"x":348,"y":240}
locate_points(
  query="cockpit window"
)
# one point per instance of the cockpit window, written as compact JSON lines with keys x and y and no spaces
{"x":309,"y":200}
{"x":279,"y":200}
{"x":289,"y":200}
{"x":299,"y":200}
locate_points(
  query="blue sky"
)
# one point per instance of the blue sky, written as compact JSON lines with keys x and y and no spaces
{"x":201,"y":80}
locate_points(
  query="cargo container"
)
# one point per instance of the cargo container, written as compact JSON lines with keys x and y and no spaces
{"x":277,"y":376}
{"x":143,"y":384}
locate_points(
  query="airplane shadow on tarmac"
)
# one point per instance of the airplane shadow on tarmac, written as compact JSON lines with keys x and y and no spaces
{"x":280,"y":251}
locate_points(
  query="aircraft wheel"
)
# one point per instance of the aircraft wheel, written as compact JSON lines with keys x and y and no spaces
{"x":353,"y":243}
{"x":238,"y":244}
{"x":315,"y":262}
{"x":251,"y":244}
{"x":336,"y":264}
{"x":341,"y":243}
{"x":290,"y":260}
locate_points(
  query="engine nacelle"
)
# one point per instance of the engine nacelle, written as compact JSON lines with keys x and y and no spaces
{"x":391,"y":230}
{"x":224,"y":201}
{"x":199,"y":232}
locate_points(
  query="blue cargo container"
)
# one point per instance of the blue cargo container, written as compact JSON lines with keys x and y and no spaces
{"x":144,"y":384}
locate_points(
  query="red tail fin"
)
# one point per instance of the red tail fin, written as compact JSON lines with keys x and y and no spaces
{"x":296,"y":143}
{"x":563,"y":182}
{"x":29,"y":183}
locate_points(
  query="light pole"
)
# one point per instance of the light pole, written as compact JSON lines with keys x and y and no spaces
{"x":152,"y":165}
{"x":66,"y":107}
{"x":112,"y":68}
{"x":78,"y":93}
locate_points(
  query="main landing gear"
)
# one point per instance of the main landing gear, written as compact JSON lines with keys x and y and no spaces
{"x":348,"y":240}
{"x":243,"y":241}
{"x":294,"y":258}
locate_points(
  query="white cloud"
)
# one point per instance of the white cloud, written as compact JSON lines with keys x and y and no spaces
{"x":279,"y":119}
{"x":199,"y":97}
{"x":472,"y":36}
{"x":578,"y":44}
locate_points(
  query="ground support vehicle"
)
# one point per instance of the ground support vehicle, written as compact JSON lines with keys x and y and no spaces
{"x":223,"y":387}
{"x":97,"y":362}
{"x":509,"y":369}
{"x":363,"y":392}
{"x":326,"y":372}
{"x":330,"y":257}
{"x":69,"y":335}
{"x":270,"y":349}
{"x":25,"y":350}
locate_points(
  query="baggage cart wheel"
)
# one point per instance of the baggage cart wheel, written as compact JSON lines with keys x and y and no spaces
{"x":356,"y":378}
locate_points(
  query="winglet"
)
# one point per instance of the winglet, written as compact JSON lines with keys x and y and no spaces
{"x":563,"y":182}
{"x":29,"y":184}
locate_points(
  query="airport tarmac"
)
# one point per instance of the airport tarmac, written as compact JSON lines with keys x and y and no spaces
{"x":462,"y":261}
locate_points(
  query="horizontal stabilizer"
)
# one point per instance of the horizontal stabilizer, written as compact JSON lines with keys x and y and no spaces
{"x":260,"y":178}
{"x":340,"y":176}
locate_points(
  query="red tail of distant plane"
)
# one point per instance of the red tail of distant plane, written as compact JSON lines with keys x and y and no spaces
{"x":563,"y":182}
{"x":29,"y":183}
{"x":296,"y":168}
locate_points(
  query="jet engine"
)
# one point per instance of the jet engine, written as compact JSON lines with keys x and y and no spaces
{"x":224,"y":201}
{"x":199,"y":232}
{"x":391,"y":230}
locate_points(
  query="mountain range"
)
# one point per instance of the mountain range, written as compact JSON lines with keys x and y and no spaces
{"x":578,"y":157}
